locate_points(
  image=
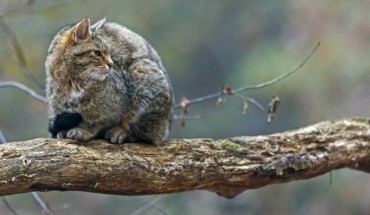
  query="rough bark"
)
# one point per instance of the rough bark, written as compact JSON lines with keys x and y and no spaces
{"x":227,"y":166}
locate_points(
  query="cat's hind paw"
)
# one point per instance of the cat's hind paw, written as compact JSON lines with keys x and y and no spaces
{"x":79,"y":135}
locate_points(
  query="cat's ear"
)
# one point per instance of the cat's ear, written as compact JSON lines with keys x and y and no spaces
{"x":81,"y":31}
{"x":98,"y":24}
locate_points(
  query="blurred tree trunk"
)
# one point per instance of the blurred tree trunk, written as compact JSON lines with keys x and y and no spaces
{"x":227,"y":166}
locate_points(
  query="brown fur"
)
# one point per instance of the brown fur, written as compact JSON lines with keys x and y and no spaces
{"x":113,"y":78}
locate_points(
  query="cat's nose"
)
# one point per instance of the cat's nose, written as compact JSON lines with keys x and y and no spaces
{"x":110,"y":62}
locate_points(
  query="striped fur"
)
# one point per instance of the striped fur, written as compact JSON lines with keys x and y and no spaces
{"x":113,"y":79}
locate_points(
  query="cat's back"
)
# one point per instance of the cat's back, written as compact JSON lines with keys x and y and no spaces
{"x":126,"y":45}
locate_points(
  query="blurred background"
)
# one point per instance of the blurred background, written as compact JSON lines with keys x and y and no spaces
{"x":204,"y":44}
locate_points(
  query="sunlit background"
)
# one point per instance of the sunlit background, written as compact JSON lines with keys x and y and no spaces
{"x":204,"y":44}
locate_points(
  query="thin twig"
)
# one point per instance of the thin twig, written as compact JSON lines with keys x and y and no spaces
{"x":147,"y":206}
{"x":251,"y":100}
{"x":258,"y":86}
{"x":2,"y":138}
{"x":6,"y":203}
{"x":186,"y":117}
{"x":18,"y":51}
{"x":41,"y":203}
{"x":156,"y":208}
{"x":23,"y":88}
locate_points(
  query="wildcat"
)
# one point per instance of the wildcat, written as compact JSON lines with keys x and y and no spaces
{"x":105,"y":81}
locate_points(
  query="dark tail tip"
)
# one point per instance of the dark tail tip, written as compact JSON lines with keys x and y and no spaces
{"x":64,"y":121}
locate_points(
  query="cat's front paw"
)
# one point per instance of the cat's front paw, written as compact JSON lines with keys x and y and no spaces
{"x":61,"y":134}
{"x":79,"y":135}
{"x":116,"y":135}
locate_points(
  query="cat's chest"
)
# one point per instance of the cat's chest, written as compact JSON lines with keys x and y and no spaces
{"x":76,"y":95}
{"x":73,"y":97}
{"x":84,"y":99}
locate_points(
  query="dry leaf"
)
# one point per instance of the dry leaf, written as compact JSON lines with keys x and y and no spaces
{"x":228,"y":89}
{"x":221,"y":100}
{"x":273,"y":106}
{"x":180,"y":119}
{"x":185,"y":104}
{"x":30,"y":2}
{"x":245,"y":107}
{"x":181,"y":122}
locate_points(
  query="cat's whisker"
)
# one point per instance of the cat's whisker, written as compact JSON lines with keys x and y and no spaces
{"x":116,"y":78}
{"x":93,"y":75}
{"x":87,"y":76}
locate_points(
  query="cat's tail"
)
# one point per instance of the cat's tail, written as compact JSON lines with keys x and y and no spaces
{"x":64,"y":121}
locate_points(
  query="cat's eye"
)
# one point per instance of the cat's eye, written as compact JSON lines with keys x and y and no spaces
{"x":97,"y":53}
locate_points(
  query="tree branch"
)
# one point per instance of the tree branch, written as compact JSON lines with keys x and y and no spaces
{"x":24,"y":88}
{"x":9,"y":34}
{"x":258,"y":86}
{"x":227,"y":167}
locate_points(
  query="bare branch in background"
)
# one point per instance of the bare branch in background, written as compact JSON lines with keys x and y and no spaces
{"x":41,"y":203}
{"x":2,"y":138}
{"x":275,"y":80}
{"x":181,"y":118}
{"x":24,"y":88}
{"x":156,"y":208}
{"x":251,"y":100}
{"x":258,"y":86}
{"x":147,"y":206}
{"x":19,"y":52}
{"x":6,"y":203}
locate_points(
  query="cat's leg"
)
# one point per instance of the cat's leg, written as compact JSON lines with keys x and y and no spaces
{"x":152,"y":101}
{"x":152,"y":128}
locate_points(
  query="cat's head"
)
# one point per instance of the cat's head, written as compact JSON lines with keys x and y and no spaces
{"x":80,"y":53}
